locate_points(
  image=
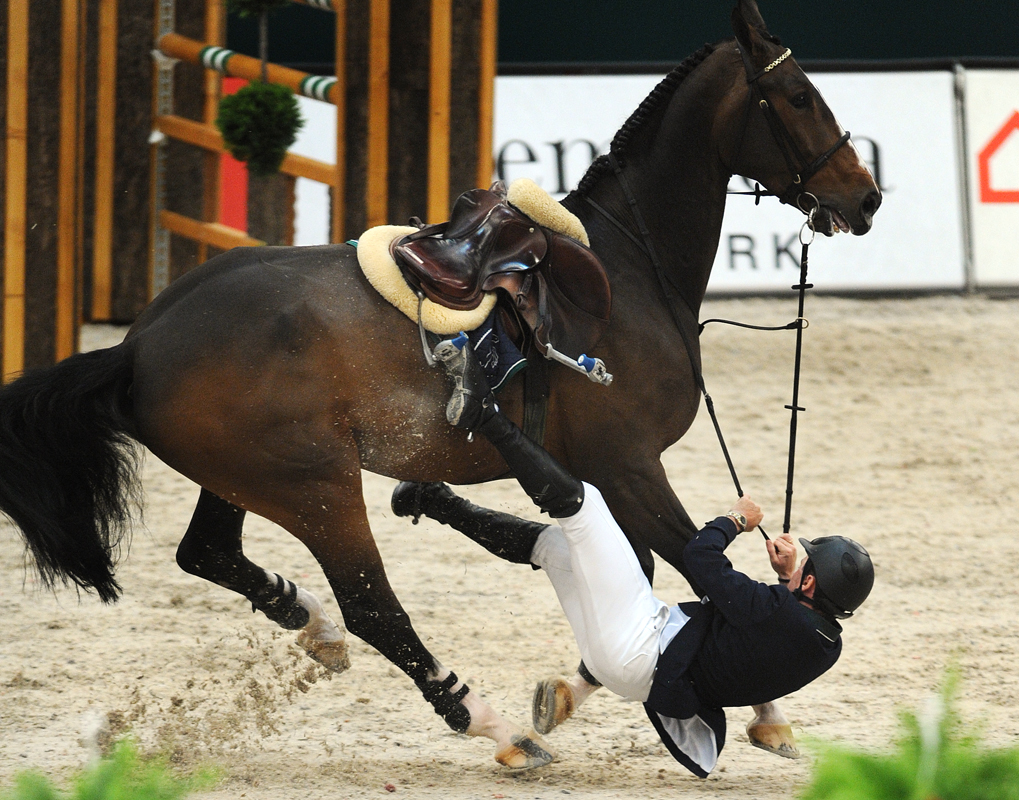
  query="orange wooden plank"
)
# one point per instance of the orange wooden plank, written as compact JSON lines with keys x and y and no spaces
{"x":486,"y":91}
{"x":15,"y":190}
{"x":221,"y":236}
{"x":209,"y":138}
{"x":106,"y":114}
{"x":378,"y":115}
{"x":440,"y":75}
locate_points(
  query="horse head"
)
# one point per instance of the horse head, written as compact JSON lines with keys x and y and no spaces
{"x":777,"y":129}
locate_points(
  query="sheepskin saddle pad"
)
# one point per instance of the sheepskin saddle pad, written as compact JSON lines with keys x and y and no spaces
{"x":518,"y":240}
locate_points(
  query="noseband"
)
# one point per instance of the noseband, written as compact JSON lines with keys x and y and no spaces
{"x":800,"y":167}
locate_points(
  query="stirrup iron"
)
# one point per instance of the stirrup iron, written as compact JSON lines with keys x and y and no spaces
{"x":449,"y":349}
{"x":593,"y":368}
{"x":444,"y":350}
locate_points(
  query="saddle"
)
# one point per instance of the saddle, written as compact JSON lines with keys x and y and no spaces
{"x":552,"y":289}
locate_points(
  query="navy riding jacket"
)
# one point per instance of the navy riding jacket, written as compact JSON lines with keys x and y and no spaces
{"x":745,"y":644}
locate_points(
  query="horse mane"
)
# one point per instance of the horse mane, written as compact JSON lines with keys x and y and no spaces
{"x":650,"y":105}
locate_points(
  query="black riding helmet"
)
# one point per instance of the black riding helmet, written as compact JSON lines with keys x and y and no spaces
{"x":843,"y":571}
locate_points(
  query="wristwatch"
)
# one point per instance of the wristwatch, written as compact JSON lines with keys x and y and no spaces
{"x":739,"y":519}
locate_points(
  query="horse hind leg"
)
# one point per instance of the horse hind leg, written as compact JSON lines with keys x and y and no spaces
{"x":211,"y":549}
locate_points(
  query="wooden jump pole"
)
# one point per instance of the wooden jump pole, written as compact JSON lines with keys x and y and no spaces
{"x":237,"y":65}
{"x":15,"y":191}
{"x":106,"y":115}
{"x":441,"y":49}
{"x":486,"y":90}
{"x":209,"y":138}
{"x":219,"y":60}
{"x":440,"y":77}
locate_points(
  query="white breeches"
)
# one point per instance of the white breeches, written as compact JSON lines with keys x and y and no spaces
{"x":616,"y":620}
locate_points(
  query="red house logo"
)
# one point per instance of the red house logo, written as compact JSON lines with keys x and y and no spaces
{"x":988,"y":194}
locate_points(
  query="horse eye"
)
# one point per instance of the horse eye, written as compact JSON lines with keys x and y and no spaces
{"x":802,"y":100}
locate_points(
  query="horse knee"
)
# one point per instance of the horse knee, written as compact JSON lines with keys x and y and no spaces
{"x":211,"y":547}
{"x":199,"y":558}
{"x":377,"y":627}
{"x":389,"y":631}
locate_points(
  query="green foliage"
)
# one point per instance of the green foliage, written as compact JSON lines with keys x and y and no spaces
{"x":124,"y":775}
{"x":933,"y":760}
{"x":258,"y":124}
{"x":255,"y":8}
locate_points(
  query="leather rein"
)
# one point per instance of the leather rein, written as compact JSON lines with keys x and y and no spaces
{"x":802,"y":170}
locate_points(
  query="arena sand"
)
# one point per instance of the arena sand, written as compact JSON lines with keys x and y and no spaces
{"x":909,"y":444}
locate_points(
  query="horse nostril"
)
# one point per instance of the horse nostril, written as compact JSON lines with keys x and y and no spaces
{"x":870,"y":203}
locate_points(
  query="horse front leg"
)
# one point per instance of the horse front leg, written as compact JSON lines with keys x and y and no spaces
{"x":770,"y":730}
{"x":212,"y":549}
{"x":334,"y":527}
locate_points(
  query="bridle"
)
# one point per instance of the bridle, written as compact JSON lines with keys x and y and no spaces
{"x":800,"y":166}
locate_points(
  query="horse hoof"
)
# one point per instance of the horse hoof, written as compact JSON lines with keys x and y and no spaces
{"x":552,"y":705}
{"x":775,"y":738}
{"x":525,"y":751}
{"x":331,"y":655}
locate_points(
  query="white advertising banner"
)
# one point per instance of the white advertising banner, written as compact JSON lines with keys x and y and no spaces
{"x":992,"y":142}
{"x":316,"y":139}
{"x":549,"y":129}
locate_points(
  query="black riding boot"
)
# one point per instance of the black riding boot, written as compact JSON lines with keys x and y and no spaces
{"x":509,"y":537}
{"x":547,"y":482}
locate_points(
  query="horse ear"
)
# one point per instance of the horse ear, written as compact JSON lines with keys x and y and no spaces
{"x":749,"y":27}
{"x":751,"y":15}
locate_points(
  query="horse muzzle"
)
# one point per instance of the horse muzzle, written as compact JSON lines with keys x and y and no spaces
{"x":830,"y":220}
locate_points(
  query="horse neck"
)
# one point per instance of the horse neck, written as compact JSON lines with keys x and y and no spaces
{"x":679,"y":189}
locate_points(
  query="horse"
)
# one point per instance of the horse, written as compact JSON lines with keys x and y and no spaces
{"x":273,"y":376}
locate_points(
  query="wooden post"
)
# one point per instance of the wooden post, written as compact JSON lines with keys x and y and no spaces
{"x":131,"y":243}
{"x":185,"y":167}
{"x":15,"y":190}
{"x":215,"y":23}
{"x":438,"y":109}
{"x":486,"y":90}
{"x":69,"y":196}
{"x":377,"y":195}
{"x":337,"y":228}
{"x":42,"y":201}
{"x":106,"y":118}
{"x":271,"y":208}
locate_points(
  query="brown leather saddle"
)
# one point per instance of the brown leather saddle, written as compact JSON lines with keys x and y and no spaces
{"x":554,"y":290}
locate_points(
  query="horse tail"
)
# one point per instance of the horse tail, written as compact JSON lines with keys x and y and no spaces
{"x":69,"y":466}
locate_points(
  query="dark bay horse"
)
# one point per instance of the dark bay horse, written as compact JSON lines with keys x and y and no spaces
{"x":273,"y":376}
